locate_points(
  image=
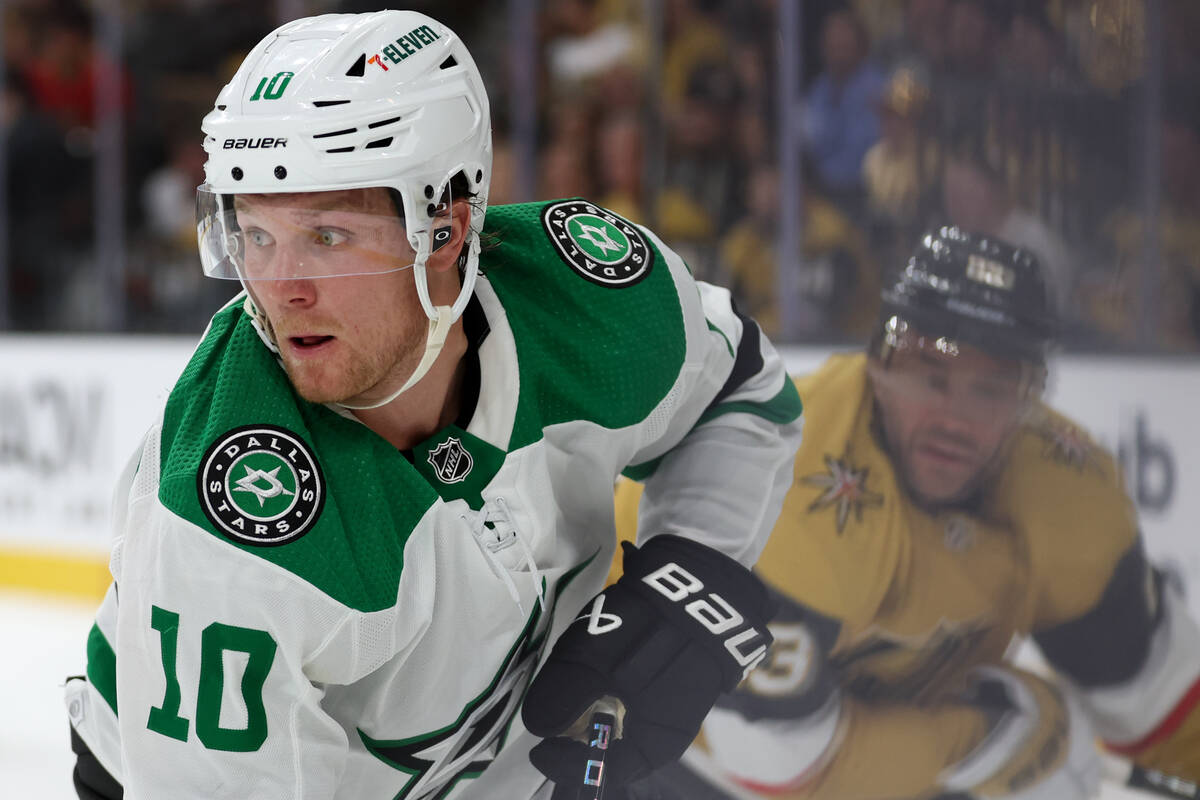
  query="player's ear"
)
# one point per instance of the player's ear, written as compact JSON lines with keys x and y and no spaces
{"x":449,"y":235}
{"x":875,"y":374}
{"x":874,"y":366}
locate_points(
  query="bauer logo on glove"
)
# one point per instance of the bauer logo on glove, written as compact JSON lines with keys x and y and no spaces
{"x":684,"y":624}
{"x":746,"y":644}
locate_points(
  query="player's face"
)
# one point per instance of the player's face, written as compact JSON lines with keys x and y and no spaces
{"x":948,"y":411}
{"x":340,"y":338}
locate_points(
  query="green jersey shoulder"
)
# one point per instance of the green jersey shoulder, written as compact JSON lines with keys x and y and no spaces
{"x":243,"y":457}
{"x":594,"y":308}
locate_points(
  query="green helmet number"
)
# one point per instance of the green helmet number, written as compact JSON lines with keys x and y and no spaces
{"x":272,"y":88}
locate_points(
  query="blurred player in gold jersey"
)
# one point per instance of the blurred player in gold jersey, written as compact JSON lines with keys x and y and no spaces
{"x":940,"y":514}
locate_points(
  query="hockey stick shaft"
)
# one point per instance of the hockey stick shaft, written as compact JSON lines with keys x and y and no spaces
{"x":1161,"y":784}
{"x":603,"y":728}
{"x":1149,"y":781}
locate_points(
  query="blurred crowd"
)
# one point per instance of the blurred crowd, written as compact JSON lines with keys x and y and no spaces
{"x":1059,"y":125}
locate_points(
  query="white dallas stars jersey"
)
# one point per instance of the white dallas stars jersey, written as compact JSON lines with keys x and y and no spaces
{"x":299,"y":610}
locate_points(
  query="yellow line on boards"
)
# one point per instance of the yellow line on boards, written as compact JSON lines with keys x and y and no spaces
{"x":84,"y":577}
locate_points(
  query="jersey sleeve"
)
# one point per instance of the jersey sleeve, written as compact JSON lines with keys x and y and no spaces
{"x":204,"y":665}
{"x":1067,"y":493}
{"x":1153,"y":716}
{"x":717,"y":468}
{"x":1135,"y":657}
{"x":865,"y":751}
{"x":91,"y":699}
{"x":1105,"y":617}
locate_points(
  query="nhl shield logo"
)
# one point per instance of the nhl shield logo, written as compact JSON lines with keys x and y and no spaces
{"x":959,"y":535}
{"x":450,"y":461}
{"x":261,"y":485}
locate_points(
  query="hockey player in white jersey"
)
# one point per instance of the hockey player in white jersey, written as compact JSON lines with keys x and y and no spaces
{"x":382,"y":487}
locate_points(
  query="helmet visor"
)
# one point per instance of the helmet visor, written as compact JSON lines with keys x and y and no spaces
{"x":956,"y":377}
{"x":302,"y":236}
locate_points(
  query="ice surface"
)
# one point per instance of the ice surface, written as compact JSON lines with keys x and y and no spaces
{"x":44,"y":641}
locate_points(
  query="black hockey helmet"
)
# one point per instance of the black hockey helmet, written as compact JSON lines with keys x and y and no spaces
{"x":975,"y":289}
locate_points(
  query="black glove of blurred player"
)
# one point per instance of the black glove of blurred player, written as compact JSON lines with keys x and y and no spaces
{"x":683,"y":625}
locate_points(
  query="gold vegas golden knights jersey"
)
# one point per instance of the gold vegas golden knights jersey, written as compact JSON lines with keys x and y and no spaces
{"x":885,"y":607}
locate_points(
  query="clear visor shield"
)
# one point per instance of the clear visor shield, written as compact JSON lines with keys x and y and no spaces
{"x":273,"y":237}
{"x":959,"y":380}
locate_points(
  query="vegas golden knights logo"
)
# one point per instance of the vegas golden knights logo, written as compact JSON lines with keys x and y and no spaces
{"x":845,"y":489}
{"x":450,"y":461}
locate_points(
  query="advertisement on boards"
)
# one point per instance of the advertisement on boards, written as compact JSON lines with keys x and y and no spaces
{"x":73,"y":409}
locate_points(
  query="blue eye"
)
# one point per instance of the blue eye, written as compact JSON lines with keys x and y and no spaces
{"x":259,"y":237}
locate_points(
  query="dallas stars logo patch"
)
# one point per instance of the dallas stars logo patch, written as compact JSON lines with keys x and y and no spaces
{"x":260,"y":484}
{"x":602,"y":247}
{"x":844,"y":487}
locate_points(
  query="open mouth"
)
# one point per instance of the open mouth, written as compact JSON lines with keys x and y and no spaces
{"x":945,"y":454}
{"x":309,"y":342}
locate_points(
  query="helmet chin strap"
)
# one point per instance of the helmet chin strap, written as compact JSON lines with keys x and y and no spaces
{"x":439,"y":327}
{"x":441,"y":318}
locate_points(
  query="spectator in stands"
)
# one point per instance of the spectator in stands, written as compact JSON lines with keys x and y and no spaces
{"x":169,"y":193}
{"x":838,"y":278}
{"x":620,"y":165}
{"x":840,"y":118}
{"x":752,"y":27}
{"x":900,"y":171}
{"x":748,"y":250}
{"x":67,"y":66}
{"x":1112,"y":298}
{"x":583,"y":45}
{"x":1031,"y":48}
{"x":972,"y":29}
{"x":46,"y":198}
{"x":921,"y":45}
{"x":694,"y":37}
{"x":700,"y":194}
{"x":965,"y":85}
{"x":564,"y":160}
{"x":1181,"y":29}
{"x":165,"y":290}
{"x":564,"y":170}
{"x":1179,"y":219}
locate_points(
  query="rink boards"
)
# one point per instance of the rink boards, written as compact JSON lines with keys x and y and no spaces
{"x":72,"y":409}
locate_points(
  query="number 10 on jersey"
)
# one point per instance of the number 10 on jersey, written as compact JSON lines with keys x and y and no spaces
{"x":215,"y":640}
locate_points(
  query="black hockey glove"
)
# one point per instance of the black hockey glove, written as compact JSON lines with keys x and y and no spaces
{"x":92,"y":781}
{"x":683,"y":625}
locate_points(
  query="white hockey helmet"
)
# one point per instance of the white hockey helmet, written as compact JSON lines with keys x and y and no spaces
{"x":342,"y":101}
